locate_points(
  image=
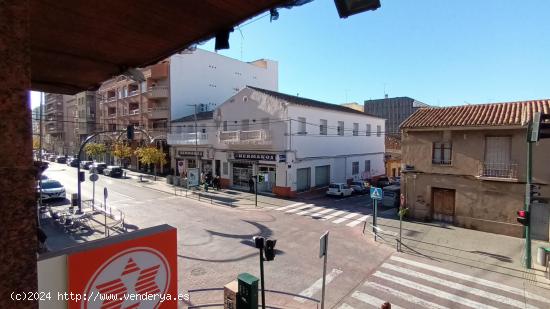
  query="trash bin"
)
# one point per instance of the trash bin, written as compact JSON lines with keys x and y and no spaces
{"x":169,"y":179}
{"x":542,"y":252}
{"x":176,"y":181}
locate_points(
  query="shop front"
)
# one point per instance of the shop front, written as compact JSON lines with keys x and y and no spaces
{"x":246,"y":165}
{"x":188,"y":159}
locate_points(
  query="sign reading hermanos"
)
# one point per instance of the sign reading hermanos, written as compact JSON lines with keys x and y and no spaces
{"x":255,"y":156}
{"x":183,"y":153}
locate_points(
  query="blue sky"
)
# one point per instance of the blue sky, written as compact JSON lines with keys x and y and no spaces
{"x":440,"y":52}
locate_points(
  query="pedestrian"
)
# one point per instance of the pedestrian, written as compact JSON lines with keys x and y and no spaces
{"x":217,"y":182}
{"x":386,"y":305}
{"x":251,"y":184}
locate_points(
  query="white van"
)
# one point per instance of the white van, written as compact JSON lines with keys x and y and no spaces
{"x":339,"y":189}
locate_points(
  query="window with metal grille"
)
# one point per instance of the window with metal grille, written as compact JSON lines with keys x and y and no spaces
{"x":378,"y":130}
{"x":301,"y":125}
{"x":355,"y":129}
{"x":441,"y":153}
{"x":368,"y":130}
{"x":354,"y":168}
{"x":340,"y":128}
{"x":323,"y":127}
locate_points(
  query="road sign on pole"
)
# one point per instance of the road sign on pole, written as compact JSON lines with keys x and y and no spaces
{"x":93,"y":179}
{"x":376,"y":193}
{"x":323,"y":250}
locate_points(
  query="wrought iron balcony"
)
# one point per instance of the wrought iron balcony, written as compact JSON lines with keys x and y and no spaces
{"x":187,"y":138}
{"x":498,"y":171}
{"x":259,"y":137}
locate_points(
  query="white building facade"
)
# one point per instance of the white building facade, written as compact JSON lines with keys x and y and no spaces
{"x":208,"y":79}
{"x":298,"y":144}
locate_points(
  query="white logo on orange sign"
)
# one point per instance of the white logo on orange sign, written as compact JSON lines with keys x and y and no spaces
{"x":129,"y":280}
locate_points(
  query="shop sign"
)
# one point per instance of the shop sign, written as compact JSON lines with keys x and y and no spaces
{"x":255,"y":156}
{"x":183,"y":153}
{"x":137,"y":272}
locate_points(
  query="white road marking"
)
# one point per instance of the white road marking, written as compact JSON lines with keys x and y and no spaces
{"x":347,"y":217}
{"x":345,"y":306}
{"x":289,"y":206}
{"x":358,"y":221}
{"x":299,"y":208}
{"x":473,"y":279}
{"x":458,"y":286}
{"x":301,"y":213}
{"x":317,"y":285}
{"x":408,"y":297}
{"x":320,"y":213}
{"x":332,"y":215}
{"x":429,"y":290}
{"x":371,"y":300}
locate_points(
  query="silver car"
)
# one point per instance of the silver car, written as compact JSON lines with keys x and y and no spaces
{"x":52,"y":189}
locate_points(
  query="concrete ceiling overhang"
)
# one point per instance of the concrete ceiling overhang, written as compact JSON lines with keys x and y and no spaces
{"x":75,"y":45}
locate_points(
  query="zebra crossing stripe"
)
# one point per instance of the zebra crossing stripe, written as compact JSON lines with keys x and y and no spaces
{"x":494,"y":285}
{"x":317,"y":285}
{"x":429,"y":290}
{"x":312,"y":209}
{"x":347,"y":217}
{"x":345,"y":306}
{"x":299,"y":208}
{"x":408,"y":297}
{"x":458,"y":286}
{"x":289,"y":206}
{"x":332,"y":215}
{"x":320,"y":213}
{"x":371,"y":300}
{"x":358,"y":221}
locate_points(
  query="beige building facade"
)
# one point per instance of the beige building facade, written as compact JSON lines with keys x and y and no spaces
{"x":467,"y":165}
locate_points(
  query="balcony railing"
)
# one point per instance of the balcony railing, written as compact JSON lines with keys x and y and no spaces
{"x":158,"y":92}
{"x":508,"y":171}
{"x":245,"y":137}
{"x":187,"y":138}
{"x":158,"y":113}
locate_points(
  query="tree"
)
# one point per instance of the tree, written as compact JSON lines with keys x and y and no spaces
{"x":151,"y":155}
{"x":95,"y":150}
{"x":122,"y":151}
{"x":35,"y":142}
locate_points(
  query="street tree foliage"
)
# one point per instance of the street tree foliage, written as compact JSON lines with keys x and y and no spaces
{"x":35,"y":142}
{"x":150,"y":155}
{"x":122,"y":151}
{"x":95,"y":149}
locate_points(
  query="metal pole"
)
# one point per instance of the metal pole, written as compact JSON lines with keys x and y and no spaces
{"x":262,"y":277}
{"x":105,"y":213}
{"x":374,"y":218}
{"x":93,"y":194}
{"x":40,"y":150}
{"x":400,"y":228}
{"x":256,"y":191}
{"x":528,"y":198}
{"x":324,"y":275}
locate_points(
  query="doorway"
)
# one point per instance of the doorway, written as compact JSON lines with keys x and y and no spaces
{"x":443,"y":201}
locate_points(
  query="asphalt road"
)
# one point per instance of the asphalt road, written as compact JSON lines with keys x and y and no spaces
{"x":214,"y":242}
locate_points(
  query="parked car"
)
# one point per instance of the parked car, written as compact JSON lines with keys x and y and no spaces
{"x":339,"y":189}
{"x":391,"y":196}
{"x":52,"y":158}
{"x":359,"y":187}
{"x":86,"y":164}
{"x":380,"y":181}
{"x":51,"y":189}
{"x":98,"y":167}
{"x":74,"y":163}
{"x":61,"y":159}
{"x":113,"y":171}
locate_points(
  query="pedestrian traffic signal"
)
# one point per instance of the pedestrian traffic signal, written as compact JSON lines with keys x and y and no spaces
{"x":81,"y":176}
{"x":130,"y":132}
{"x":270,"y":249}
{"x":258,"y":242}
{"x":523,"y":217}
{"x":261,"y":178}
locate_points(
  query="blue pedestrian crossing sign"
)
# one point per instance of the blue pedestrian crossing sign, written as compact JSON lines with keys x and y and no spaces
{"x":376,"y":193}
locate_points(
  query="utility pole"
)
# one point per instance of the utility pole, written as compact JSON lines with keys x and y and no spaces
{"x":40,"y":147}
{"x":196,"y":141}
{"x":528,"y":180}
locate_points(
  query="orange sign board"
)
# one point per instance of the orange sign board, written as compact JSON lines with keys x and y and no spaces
{"x":135,"y":272}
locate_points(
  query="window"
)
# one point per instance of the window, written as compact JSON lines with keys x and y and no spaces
{"x":302,"y":125}
{"x":367,"y":166}
{"x":441,"y":153}
{"x":265,"y":124}
{"x":245,"y":124}
{"x":368,"y":130}
{"x":378,"y":130}
{"x":340,"y":128}
{"x":323,"y":127}
{"x":354,"y":168}
{"x":225,"y":125}
{"x":355,"y":129}
{"x":225,"y":168}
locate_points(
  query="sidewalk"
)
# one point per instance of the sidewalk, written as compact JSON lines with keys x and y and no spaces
{"x":445,"y":242}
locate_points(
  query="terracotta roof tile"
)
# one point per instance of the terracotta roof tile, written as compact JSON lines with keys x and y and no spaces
{"x":482,"y":115}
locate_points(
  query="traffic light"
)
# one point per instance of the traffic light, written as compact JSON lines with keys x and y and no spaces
{"x":130,"y":132}
{"x":541,"y":127}
{"x":534,"y":191}
{"x":259,"y":241}
{"x":81,"y":176}
{"x":270,"y":249}
{"x":523,"y":217}
{"x":261,"y":178}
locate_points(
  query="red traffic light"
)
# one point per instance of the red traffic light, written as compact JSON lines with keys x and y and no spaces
{"x":523,"y":217}
{"x":522,"y":213}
